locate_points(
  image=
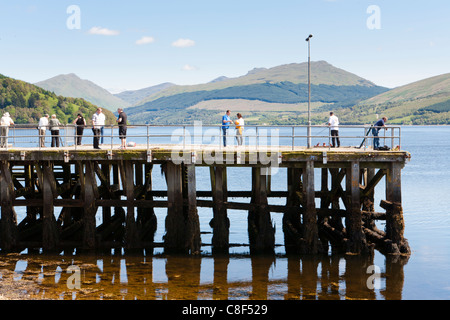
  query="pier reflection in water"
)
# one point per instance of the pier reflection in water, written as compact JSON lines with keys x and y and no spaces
{"x":205,"y":278}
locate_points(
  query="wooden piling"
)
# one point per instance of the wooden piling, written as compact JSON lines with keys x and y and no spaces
{"x":182,"y":225}
{"x":356,"y":240}
{"x":261,"y":232}
{"x":311,"y":233}
{"x":292,"y":225}
{"x":220,"y":222}
{"x":8,"y":228}
{"x":50,"y":234}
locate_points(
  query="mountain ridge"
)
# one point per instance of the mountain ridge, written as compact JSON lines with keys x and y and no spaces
{"x":71,"y":85}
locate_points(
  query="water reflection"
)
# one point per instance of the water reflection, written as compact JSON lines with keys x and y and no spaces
{"x":204,"y":278}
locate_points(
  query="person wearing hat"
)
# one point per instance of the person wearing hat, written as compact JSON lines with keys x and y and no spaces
{"x":42,"y":127}
{"x":5,"y":122}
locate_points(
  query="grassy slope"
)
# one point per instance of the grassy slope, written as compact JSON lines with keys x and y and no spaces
{"x":409,"y":104}
{"x":27,"y":103}
{"x":71,"y":85}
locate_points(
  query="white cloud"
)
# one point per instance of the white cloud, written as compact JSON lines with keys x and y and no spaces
{"x":103,"y":31}
{"x":145,"y":40}
{"x":183,"y":43}
{"x":188,"y":67}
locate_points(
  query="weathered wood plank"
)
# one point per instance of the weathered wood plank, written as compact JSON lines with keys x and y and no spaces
{"x":8,"y":230}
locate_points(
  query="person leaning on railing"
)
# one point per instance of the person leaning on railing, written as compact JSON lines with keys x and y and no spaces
{"x":376,"y":129}
{"x":5,"y":122}
{"x":80,"y":123}
{"x":42,"y":128}
{"x":53,"y":125}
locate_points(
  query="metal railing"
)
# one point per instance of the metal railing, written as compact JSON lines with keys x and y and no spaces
{"x":295,"y":136}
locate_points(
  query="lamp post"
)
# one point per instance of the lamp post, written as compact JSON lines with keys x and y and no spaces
{"x":309,"y":91}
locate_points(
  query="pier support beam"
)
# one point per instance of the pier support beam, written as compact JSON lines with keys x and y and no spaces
{"x":146,"y":218}
{"x":261,"y":232}
{"x":50,"y":234}
{"x":311,"y":233}
{"x":8,"y":222}
{"x":395,"y":225}
{"x":182,"y":226}
{"x":220,"y":222}
{"x":192,"y":223}
{"x":292,"y":225}
{"x":356,"y":239}
{"x":131,"y":232}
{"x":89,"y":193}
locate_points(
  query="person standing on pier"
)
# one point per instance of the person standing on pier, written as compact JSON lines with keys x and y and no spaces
{"x":239,"y":129}
{"x":122,"y":121}
{"x":42,"y":128}
{"x":333,"y":123}
{"x":80,"y":123}
{"x":101,"y":123}
{"x":376,"y":129}
{"x":226,"y":120}
{"x":98,"y":120}
{"x":53,"y":125}
{"x":5,"y":122}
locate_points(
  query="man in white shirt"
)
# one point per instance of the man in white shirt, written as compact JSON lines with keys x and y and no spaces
{"x":333,"y":123}
{"x":42,"y":127}
{"x":98,"y":121}
{"x":5,"y":122}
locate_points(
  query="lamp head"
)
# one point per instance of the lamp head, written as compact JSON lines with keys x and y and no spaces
{"x":309,"y":37}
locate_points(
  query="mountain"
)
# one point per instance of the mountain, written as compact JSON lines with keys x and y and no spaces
{"x":322,"y":73}
{"x":27,"y":103}
{"x":134,"y":96}
{"x":70,"y":85}
{"x":276,"y":95}
{"x":422,"y":102}
{"x":222,"y":78}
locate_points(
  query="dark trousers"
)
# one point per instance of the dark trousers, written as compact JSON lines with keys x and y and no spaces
{"x":79,"y":135}
{"x":376,"y":140}
{"x":55,"y":138}
{"x":96,"y":137}
{"x":335,"y":138}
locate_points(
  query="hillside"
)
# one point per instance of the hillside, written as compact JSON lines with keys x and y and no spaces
{"x":70,"y":85}
{"x":134,"y":96}
{"x":283,"y":90}
{"x":27,"y":103}
{"x":423,"y":102}
{"x":322,"y":73}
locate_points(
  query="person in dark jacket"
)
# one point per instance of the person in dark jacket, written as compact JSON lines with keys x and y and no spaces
{"x":80,"y":123}
{"x":376,"y":129}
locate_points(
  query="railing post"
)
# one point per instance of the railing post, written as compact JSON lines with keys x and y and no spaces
{"x":329,"y":138}
{"x":184,"y":137}
{"x":112,"y":127}
{"x":148,"y":139}
{"x":392,"y":137}
{"x":293,"y":139}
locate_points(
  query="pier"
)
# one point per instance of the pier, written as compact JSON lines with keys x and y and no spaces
{"x":63,"y":188}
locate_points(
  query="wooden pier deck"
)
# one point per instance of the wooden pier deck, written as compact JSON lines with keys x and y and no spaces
{"x":62,"y":189}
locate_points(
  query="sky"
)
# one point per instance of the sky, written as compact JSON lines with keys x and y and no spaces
{"x":133,"y":44}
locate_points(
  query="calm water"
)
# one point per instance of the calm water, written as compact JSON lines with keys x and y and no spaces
{"x":424,"y":275}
